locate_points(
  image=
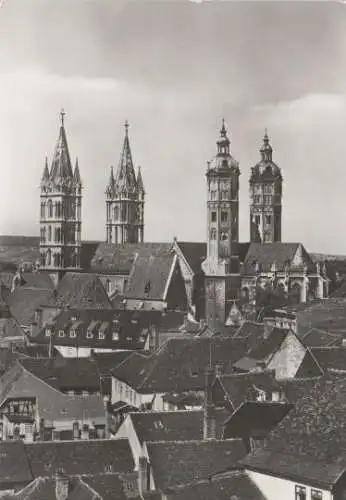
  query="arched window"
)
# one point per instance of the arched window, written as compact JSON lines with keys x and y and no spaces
{"x":43,"y":210}
{"x":50,"y":208}
{"x":213,"y":234}
{"x":224,"y":236}
{"x":49,"y":233}
{"x":49,"y":258}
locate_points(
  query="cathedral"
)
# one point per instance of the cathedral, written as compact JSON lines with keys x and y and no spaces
{"x":231,"y":271}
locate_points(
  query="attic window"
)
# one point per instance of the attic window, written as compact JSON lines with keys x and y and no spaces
{"x":101,"y":336}
{"x":134,"y":321}
{"x":108,"y":468}
{"x":61,"y":333}
{"x":89,"y":334}
{"x":300,"y":493}
{"x":316,"y":494}
{"x":73,"y":333}
{"x":147,"y":287}
{"x":48,"y":332}
{"x":159,"y":425}
{"x":115,"y":336}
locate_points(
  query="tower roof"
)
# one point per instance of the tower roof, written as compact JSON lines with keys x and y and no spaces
{"x":125,"y":179}
{"x":76,"y":174}
{"x":266,"y":169}
{"x":223,"y":159}
{"x":140,"y":185}
{"x":61,"y":164}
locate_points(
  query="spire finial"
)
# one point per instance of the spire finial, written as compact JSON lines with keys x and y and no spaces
{"x":266,"y":138}
{"x":223,"y":131}
{"x":62,"y":116}
{"x":126,"y":127}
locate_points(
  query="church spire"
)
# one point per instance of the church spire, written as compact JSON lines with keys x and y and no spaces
{"x":110,"y":185}
{"x":125,"y":179}
{"x":61,"y":164}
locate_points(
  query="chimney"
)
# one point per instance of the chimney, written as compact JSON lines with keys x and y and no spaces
{"x":267,"y":329}
{"x":106,"y":406}
{"x":209,"y":423}
{"x":143,"y":474}
{"x":62,"y":485}
{"x":75,"y":428}
{"x":85,"y":432}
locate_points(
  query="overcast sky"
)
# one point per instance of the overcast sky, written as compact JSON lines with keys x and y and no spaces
{"x":173,"y":69}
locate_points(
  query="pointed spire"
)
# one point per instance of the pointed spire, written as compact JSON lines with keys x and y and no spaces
{"x":45,"y":175}
{"x":125,"y":179}
{"x":111,"y":183}
{"x":266,"y":150}
{"x":61,"y":164}
{"x":76,"y":174}
{"x":140,"y":184}
{"x":223,"y":142}
{"x":223,"y":131}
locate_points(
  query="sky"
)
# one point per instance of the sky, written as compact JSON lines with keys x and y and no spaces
{"x":173,"y":70}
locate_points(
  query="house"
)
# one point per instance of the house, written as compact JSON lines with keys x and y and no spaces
{"x":305,"y":454}
{"x":34,"y":408}
{"x":177,"y":367}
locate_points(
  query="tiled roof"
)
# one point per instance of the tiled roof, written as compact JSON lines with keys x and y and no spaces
{"x":65,"y":373}
{"x":37,"y":280}
{"x":111,"y":258}
{"x":80,"y":457}
{"x":265,"y":254}
{"x":228,"y":486}
{"x":293,"y":466}
{"x":268,"y":346}
{"x":114,"y":486}
{"x":239,"y":387}
{"x":330,"y":358}
{"x":255,"y":419}
{"x":249,"y":328}
{"x":131,"y":328}
{"x":81,"y":408}
{"x":195,"y":253}
{"x":329,"y":315}
{"x":309,"y":367}
{"x":7,"y":357}
{"x":168,"y":425}
{"x":321,"y":338}
{"x":23,"y":303}
{"x":179,"y":364}
{"x":107,"y":361}
{"x":149,"y":277}
{"x":316,"y":425}
{"x":297,"y":388}
{"x":182,"y":462}
{"x":14,"y":465}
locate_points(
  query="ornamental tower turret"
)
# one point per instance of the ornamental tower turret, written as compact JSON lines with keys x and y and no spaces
{"x":265,"y":198}
{"x":221,"y":266}
{"x":125,"y":200}
{"x":61,"y":204}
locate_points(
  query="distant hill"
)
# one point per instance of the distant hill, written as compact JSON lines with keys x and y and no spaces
{"x":327,"y":257}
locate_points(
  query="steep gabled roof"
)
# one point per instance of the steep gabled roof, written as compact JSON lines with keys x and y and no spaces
{"x":14,"y":465}
{"x":265,"y":254}
{"x":321,"y":338}
{"x":23,"y":303}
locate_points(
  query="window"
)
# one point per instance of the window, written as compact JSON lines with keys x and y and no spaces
{"x":224,"y":236}
{"x":61,"y":333}
{"x":102,"y":336}
{"x":48,"y":332}
{"x":257,"y":199}
{"x":89,"y":334}
{"x":224,"y":216}
{"x":49,"y":233}
{"x":267,"y":200}
{"x":224,"y":195}
{"x":213,"y":217}
{"x":73,"y":333}
{"x":50,"y":208}
{"x":115,"y":336}
{"x":316,"y":495}
{"x":268,"y":219}
{"x":257,"y":219}
{"x":213,"y":234}
{"x":300,"y":493}
{"x":213,"y":195}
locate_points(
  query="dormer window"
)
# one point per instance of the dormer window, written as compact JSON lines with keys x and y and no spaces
{"x":101,"y":336}
{"x":115,"y":336}
{"x":300,"y":493}
{"x":147,"y":287}
{"x":73,"y":334}
{"x":89,"y":334}
{"x":61,"y":333}
{"x":48,"y":332}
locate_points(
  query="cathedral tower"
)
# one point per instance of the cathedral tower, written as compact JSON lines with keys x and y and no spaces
{"x":125,"y":200}
{"x":221,"y":266}
{"x":61,"y":203}
{"x":265,"y":198}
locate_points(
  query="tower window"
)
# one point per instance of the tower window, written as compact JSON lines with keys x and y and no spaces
{"x":50,"y":208}
{"x":213,"y":217}
{"x":213,"y":234}
{"x":224,"y":236}
{"x":268,"y":219}
{"x":257,"y":220}
{"x":213,"y":195}
{"x":224,"y":216}
{"x":224,"y":195}
{"x":267,"y":200}
{"x":49,"y":233}
{"x":257,"y":199}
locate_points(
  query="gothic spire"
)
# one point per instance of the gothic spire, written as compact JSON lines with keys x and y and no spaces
{"x":61,"y":164}
{"x":111,"y":183}
{"x":76,"y":174}
{"x":140,"y":184}
{"x":125,"y":179}
{"x":45,"y":175}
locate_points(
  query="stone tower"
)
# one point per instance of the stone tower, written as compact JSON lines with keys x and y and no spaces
{"x":61,"y":203}
{"x":125,"y":200}
{"x":265,"y":198}
{"x":221,"y":266}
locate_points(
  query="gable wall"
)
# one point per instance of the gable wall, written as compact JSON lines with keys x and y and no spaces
{"x":287,"y":360}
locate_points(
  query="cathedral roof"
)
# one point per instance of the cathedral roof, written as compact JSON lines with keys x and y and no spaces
{"x":282,"y":254}
{"x":61,"y":168}
{"x":125,"y":178}
{"x":266,"y":169}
